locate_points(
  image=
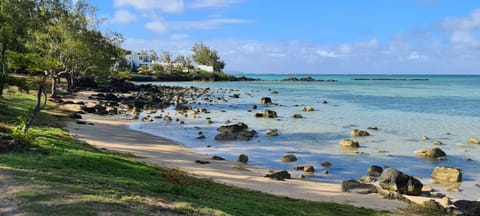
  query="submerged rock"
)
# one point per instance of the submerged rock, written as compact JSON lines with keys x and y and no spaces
{"x":348,"y":143}
{"x":358,"y":133}
{"x":289,"y":158}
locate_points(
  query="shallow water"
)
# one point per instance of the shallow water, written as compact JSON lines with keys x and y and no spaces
{"x":445,"y":108}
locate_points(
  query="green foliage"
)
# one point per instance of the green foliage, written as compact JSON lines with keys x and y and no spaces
{"x":24,"y":139}
{"x":7,"y":80}
{"x":123,"y":75}
{"x":158,"y":68}
{"x":204,"y":55}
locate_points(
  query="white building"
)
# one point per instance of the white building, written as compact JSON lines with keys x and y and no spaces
{"x":205,"y":68}
{"x":136,"y":59}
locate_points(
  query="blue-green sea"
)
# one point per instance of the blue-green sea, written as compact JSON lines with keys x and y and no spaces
{"x":404,"y":108}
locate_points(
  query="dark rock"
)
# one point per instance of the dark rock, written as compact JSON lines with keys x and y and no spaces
{"x":280,"y":175}
{"x":217,"y":158}
{"x":375,"y":171}
{"x":289,"y":158}
{"x":183,"y":107}
{"x":394,"y":180}
{"x":242,"y":158}
{"x":372,"y":128}
{"x":234,"y":128}
{"x":225,"y":137}
{"x":358,"y":187}
{"x":268,"y":114}
{"x":468,"y":207}
{"x":360,"y":133}
{"x":81,"y":122}
{"x":265,"y":100}
{"x":88,"y":109}
{"x":434,"y":206}
{"x":201,"y":137}
{"x":326,"y":164}
{"x":246,"y":134}
{"x":74,"y":115}
{"x":308,"y":169}
{"x":297,"y":116}
{"x":201,"y":162}
{"x":254,"y":107}
{"x":272,"y":132}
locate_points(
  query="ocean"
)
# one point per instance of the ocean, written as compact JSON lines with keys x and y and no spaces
{"x":404,"y":108}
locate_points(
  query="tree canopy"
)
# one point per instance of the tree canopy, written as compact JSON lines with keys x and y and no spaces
{"x":204,"y":55}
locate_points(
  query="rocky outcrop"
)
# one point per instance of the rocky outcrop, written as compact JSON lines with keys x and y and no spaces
{"x":265,"y":100}
{"x":272,"y":132}
{"x":375,"y":171}
{"x":288,"y":158}
{"x":468,"y":207}
{"x":447,"y":174}
{"x":358,"y":133}
{"x":280,"y":175}
{"x":242,"y":158}
{"x":358,"y":187}
{"x":431,"y":153}
{"x":266,"y":114}
{"x":394,"y":180}
{"x":234,"y":131}
{"x":307,"y":109}
{"x":474,"y":140}
{"x":348,"y":143}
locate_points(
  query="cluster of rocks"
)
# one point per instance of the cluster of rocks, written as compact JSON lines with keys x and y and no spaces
{"x":238,"y":131}
{"x":306,"y":79}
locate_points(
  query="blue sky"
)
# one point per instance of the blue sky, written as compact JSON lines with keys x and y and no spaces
{"x":308,"y":36}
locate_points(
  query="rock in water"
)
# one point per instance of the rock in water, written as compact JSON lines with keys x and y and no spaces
{"x":468,"y":207}
{"x":225,"y":137}
{"x":234,"y":128}
{"x":326,"y":164}
{"x":297,"y":116}
{"x":280,"y":176}
{"x":348,"y":143}
{"x":272,"y":132}
{"x":242,"y":158}
{"x":289,"y":158}
{"x":431,"y":153}
{"x":308,"y":109}
{"x":358,"y":133}
{"x":394,"y":180}
{"x":265,"y":100}
{"x":447,"y":174}
{"x":375,"y":171}
{"x":474,"y":140}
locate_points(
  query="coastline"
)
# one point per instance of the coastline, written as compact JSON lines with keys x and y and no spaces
{"x":112,"y":133}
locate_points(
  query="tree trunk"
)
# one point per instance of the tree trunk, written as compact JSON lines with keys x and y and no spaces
{"x":53,"y":93}
{"x":38,"y":106}
{"x":4,"y":60}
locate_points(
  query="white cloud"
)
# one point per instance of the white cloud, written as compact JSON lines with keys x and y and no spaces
{"x":157,"y":26}
{"x":178,"y":36}
{"x":414,"y":55}
{"x":326,"y":54}
{"x":467,"y":23}
{"x":169,"y":6}
{"x":212,"y":3}
{"x":123,"y":17}
{"x":464,"y":38}
{"x":345,"y":49}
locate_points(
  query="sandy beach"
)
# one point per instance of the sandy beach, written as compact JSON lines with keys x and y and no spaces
{"x":112,"y":133}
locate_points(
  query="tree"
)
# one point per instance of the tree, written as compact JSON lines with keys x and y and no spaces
{"x":204,"y":55}
{"x":167,"y":59}
{"x":157,"y":68}
{"x":184,"y":61}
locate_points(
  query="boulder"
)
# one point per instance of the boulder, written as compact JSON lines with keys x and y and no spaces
{"x":348,"y":143}
{"x":265,"y":100}
{"x":225,"y":137}
{"x":468,"y":207}
{"x":297,"y":116}
{"x":447,"y":174}
{"x":358,"y":187}
{"x":358,"y":133}
{"x":375,"y":171}
{"x":474,"y":140}
{"x":234,"y":128}
{"x":266,"y":114}
{"x":246,"y":134}
{"x":280,"y":175}
{"x":308,"y":169}
{"x":74,"y":115}
{"x":272,"y":132}
{"x":367,"y":179}
{"x":217,"y":158}
{"x":289,"y":158}
{"x":394,"y":180}
{"x":182,"y":107}
{"x":326,"y":164}
{"x":242,"y":158}
{"x":308,"y":109}
{"x":431,"y":153}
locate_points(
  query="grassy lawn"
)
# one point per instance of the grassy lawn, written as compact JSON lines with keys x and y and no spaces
{"x":62,"y":176}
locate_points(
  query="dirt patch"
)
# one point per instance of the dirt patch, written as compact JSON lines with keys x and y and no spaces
{"x":8,"y":204}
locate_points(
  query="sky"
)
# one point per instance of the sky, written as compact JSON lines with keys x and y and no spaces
{"x":308,"y":36}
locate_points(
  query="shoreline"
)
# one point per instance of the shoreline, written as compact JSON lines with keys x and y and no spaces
{"x":112,"y":133}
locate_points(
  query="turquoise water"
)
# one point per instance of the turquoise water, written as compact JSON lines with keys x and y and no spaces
{"x":445,"y":108}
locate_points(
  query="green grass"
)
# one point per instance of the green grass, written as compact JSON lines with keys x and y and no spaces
{"x":62,"y":176}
